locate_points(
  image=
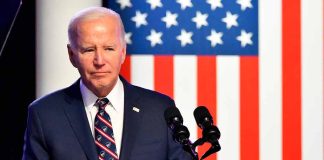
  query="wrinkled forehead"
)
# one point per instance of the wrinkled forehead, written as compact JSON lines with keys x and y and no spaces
{"x":105,"y":17}
{"x":104,"y":21}
{"x":103,"y":27}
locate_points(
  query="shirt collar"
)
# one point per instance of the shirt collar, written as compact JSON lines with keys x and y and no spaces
{"x":89,"y":98}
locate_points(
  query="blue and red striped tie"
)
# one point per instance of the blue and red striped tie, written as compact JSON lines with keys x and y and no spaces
{"x":104,"y":136}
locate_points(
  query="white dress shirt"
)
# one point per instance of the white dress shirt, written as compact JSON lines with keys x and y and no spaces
{"x":115,"y":109}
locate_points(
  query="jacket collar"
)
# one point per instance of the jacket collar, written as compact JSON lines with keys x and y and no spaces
{"x":77,"y":117}
{"x":132,"y":118}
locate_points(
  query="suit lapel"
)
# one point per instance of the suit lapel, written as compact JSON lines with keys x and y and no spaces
{"x":132,"y":118}
{"x":77,"y":117}
{"x":76,"y":114}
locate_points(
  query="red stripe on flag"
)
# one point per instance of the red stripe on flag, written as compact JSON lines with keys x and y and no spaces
{"x":206,"y":92}
{"x":291,"y":79}
{"x":163,"y":74}
{"x":249,"y":108}
{"x":125,"y":69}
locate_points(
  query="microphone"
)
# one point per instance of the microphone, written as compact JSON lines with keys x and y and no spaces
{"x":180,"y":132}
{"x":174,"y":120}
{"x":210,"y":132}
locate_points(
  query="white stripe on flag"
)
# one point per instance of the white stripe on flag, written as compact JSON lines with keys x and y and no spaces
{"x":185,"y":90}
{"x":228,"y":103}
{"x":142,"y":71}
{"x":312,"y":79}
{"x":270,"y":79}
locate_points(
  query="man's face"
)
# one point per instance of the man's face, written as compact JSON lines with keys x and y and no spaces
{"x":98,"y":53}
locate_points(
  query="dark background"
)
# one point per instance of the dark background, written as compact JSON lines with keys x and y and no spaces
{"x":17,"y":75}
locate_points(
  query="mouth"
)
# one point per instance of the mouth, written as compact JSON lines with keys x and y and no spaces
{"x":99,"y":74}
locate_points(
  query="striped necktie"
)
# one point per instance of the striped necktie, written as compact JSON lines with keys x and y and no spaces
{"x":104,"y":136}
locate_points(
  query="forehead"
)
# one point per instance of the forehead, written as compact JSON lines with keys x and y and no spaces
{"x":108,"y":22}
{"x":98,"y":27}
{"x":101,"y":28}
{"x":103,"y":32}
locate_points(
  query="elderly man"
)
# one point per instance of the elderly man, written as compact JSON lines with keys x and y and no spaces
{"x":101,"y":115}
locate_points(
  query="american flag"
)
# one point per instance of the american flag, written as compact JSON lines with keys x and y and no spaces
{"x":256,"y":65}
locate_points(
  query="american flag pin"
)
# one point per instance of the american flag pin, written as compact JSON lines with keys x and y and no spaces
{"x":136,"y":109}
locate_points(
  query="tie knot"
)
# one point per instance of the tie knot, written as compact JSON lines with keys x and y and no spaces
{"x":102,"y":102}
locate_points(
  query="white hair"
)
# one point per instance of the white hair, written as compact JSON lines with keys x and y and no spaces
{"x":92,"y":13}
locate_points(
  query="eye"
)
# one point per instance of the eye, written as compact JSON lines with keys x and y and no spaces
{"x":88,"y":50}
{"x":110,"y":49}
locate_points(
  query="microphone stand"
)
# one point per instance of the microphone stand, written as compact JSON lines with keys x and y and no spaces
{"x":208,"y":137}
{"x":11,"y":26}
{"x":188,"y":147}
{"x":211,"y":150}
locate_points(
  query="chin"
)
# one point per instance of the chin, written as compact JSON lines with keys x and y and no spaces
{"x":101,"y":83}
{"x":104,"y":83}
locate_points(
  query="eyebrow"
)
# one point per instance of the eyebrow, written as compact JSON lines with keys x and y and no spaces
{"x":110,"y":45}
{"x":86,"y":47}
{"x":93,"y":46}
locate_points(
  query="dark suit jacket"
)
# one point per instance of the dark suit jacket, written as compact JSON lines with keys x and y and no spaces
{"x":58,"y":129}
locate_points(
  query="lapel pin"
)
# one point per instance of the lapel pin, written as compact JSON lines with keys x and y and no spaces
{"x":136,"y":109}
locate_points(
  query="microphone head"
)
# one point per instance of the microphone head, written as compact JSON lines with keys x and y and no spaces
{"x":174,"y":120}
{"x":202,"y":116}
{"x":173,"y":114}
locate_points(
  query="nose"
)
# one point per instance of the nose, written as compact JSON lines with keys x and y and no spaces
{"x":98,"y":58}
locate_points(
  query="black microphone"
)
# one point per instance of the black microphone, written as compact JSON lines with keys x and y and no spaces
{"x":174,"y":120}
{"x":210,"y":132}
{"x":180,"y":132}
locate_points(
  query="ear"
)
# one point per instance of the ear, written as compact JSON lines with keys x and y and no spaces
{"x":71,"y":55}
{"x":123,"y":54}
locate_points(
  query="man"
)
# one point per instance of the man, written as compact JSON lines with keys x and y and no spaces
{"x":67,"y":125}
